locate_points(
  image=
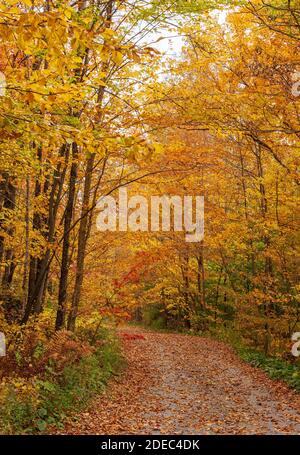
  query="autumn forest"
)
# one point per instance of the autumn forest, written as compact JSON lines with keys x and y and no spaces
{"x":163,"y":99}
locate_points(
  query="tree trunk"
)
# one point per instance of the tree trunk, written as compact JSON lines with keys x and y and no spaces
{"x":8,"y":202}
{"x":63,"y":282}
{"x":38,"y":270}
{"x":82,"y":240}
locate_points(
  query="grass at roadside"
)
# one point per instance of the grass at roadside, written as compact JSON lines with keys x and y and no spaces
{"x":274,"y":367}
{"x":30,"y":405}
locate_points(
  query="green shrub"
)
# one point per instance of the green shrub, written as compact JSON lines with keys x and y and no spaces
{"x":52,"y":395}
{"x":153,"y":317}
{"x":275,"y":368}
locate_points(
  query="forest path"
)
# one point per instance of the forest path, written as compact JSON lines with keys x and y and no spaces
{"x":181,"y":384}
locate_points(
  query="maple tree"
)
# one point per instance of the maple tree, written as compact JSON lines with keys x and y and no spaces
{"x":234,"y":117}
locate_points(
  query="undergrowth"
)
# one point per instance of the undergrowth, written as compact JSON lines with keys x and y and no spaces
{"x":31,"y":403}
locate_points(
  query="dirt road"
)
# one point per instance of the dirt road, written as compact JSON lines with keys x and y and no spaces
{"x":180,"y":384}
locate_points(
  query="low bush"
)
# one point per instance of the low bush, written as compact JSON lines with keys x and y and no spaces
{"x":64,"y":373}
{"x":275,"y":368}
